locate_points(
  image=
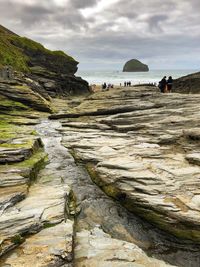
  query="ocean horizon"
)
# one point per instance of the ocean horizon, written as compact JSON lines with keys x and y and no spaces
{"x":117,"y":76}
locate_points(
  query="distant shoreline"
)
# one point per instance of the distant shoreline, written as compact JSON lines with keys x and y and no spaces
{"x":115,"y":77}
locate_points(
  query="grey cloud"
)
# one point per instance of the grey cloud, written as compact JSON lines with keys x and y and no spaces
{"x":150,"y":30}
{"x":43,"y":15}
{"x":154,"y":22}
{"x":84,"y":3}
{"x":35,"y":14}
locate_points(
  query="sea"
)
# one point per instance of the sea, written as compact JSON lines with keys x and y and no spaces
{"x":116,"y":77}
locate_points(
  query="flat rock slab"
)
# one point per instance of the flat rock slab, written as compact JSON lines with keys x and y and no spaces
{"x":19,"y":149}
{"x":152,"y":168}
{"x":95,"y":249}
{"x":50,"y":247}
{"x":47,"y":208}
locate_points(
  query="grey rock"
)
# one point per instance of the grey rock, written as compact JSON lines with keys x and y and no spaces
{"x":145,"y":168}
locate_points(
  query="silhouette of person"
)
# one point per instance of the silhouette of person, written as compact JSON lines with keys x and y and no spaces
{"x":169,"y":84}
{"x":162,"y":84}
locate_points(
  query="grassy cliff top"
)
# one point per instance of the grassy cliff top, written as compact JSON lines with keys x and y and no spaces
{"x":15,"y":51}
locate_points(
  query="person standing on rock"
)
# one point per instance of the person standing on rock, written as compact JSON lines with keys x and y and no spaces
{"x":104,"y":86}
{"x":162,"y":84}
{"x":169,"y":84}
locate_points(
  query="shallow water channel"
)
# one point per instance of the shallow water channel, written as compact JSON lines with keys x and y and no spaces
{"x":97,"y":210}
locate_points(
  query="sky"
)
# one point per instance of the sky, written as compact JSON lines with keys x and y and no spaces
{"x":104,"y":34}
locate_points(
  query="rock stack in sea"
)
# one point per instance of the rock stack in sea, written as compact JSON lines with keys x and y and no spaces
{"x":135,"y":65}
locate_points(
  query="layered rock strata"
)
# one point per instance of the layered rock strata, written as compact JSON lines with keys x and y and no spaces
{"x":35,"y":206}
{"x":53,"y":72}
{"x":143,"y":150}
{"x":34,"y":210}
{"x":41,"y":228}
{"x":58,"y":84}
{"x":43,"y":189}
{"x":23,"y":91}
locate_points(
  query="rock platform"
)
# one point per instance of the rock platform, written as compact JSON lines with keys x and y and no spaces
{"x":112,"y":181}
{"x":142,"y":149}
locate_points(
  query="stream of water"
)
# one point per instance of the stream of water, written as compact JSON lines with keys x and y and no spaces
{"x":98,"y":209}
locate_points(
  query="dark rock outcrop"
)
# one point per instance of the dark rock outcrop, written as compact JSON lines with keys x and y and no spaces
{"x":52,"y":70}
{"x":135,"y":65}
{"x":24,"y":93}
{"x":57,"y":84}
{"x":188,"y":84}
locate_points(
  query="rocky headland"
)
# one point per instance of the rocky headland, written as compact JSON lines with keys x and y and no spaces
{"x":48,"y":71}
{"x":135,"y":65}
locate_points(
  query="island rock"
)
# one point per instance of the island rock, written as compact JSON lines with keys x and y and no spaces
{"x":135,"y":65}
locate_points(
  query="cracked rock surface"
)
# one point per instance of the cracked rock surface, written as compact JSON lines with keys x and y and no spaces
{"x":146,"y":158}
{"x":114,"y":182}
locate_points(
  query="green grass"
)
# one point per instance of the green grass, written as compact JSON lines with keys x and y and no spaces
{"x":14,"y":51}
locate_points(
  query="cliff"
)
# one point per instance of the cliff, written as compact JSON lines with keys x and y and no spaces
{"x":54,"y":70}
{"x":135,"y":65}
{"x":187,"y":84}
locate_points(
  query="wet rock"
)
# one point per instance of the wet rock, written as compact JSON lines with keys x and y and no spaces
{"x":145,"y":158}
{"x":47,"y":200}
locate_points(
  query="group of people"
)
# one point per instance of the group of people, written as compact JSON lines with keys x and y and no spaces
{"x":107,"y":86}
{"x":165,"y":85}
{"x":127,"y":84}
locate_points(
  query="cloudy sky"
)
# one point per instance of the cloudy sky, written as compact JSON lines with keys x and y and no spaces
{"x":103,"y":34}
